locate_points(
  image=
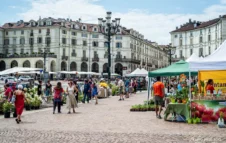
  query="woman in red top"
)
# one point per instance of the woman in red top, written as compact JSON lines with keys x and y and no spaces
{"x":58,"y":92}
{"x":19,"y":102}
{"x":209,"y":86}
{"x":8,"y":92}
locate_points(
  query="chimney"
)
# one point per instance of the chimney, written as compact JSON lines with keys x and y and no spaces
{"x":190,"y":20}
{"x":176,"y":27}
{"x":195,"y":25}
{"x":180,"y":26}
{"x":219,"y":16}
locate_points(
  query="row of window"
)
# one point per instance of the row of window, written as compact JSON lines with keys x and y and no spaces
{"x":64,"y":41}
{"x":200,"y":40}
{"x":200,"y":52}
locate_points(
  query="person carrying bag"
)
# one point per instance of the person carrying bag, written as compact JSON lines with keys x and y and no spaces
{"x":58,"y":97}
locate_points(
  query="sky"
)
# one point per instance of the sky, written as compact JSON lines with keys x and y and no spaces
{"x":152,"y":18}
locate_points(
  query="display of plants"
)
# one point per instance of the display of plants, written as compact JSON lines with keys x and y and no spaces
{"x":147,"y":106}
{"x":7,"y":108}
{"x":114,"y":90}
{"x":205,"y":114}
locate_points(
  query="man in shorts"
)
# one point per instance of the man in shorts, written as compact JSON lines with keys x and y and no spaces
{"x":120,"y":85}
{"x":159,"y":93}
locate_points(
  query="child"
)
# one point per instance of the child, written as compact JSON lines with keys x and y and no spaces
{"x":94,"y":92}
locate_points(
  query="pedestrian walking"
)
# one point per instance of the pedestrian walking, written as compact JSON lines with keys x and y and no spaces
{"x":159,"y":92}
{"x":48,"y":88}
{"x":127,"y":84}
{"x":120,"y":86}
{"x":95,"y":93}
{"x":86,"y":91}
{"x":58,"y":96}
{"x":76,"y":90}
{"x":135,"y":86}
{"x":71,"y":101}
{"x":19,"y":102}
{"x":40,"y":88}
{"x":8,"y":92}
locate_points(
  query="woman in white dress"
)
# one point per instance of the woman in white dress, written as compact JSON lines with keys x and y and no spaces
{"x":71,"y":101}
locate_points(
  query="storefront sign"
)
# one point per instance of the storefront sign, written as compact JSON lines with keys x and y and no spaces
{"x":219,"y":79}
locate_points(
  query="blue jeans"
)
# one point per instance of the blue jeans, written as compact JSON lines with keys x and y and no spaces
{"x":86,"y":96}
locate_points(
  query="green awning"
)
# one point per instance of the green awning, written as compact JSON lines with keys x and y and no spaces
{"x":175,"y":69}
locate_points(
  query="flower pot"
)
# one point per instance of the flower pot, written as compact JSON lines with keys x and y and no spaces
{"x":14,"y":115}
{"x":28,"y":107}
{"x":7,"y":114}
{"x":173,"y":100}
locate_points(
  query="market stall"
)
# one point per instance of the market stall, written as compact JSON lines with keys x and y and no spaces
{"x":208,"y":105}
{"x":180,"y":68}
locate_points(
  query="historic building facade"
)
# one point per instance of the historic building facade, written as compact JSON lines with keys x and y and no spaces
{"x":197,"y":37}
{"x":75,"y":46}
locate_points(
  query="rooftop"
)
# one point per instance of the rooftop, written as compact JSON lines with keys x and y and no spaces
{"x":197,"y":25}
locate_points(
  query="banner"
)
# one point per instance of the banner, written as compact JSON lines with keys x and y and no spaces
{"x":219,"y":79}
{"x":208,"y":110}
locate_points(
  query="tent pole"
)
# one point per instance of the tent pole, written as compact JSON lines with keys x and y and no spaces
{"x":189,"y":89}
{"x":149,"y":83}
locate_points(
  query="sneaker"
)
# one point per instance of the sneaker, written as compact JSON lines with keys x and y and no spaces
{"x":120,"y":99}
{"x":53,"y":112}
{"x":69,"y":112}
{"x":59,"y":112}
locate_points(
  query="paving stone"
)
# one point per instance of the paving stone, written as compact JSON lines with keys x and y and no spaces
{"x":108,"y":122}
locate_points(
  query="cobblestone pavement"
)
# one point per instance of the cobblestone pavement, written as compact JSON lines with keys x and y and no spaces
{"x":108,"y":122}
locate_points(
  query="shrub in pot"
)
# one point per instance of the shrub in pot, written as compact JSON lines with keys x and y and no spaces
{"x":7,"y":107}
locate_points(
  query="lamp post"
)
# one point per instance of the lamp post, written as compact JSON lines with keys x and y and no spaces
{"x":109,"y":29}
{"x":171,"y":51}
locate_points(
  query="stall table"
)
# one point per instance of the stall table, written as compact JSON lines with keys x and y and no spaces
{"x":177,"y":108}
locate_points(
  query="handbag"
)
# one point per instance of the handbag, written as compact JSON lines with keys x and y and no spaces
{"x":13,"y":99}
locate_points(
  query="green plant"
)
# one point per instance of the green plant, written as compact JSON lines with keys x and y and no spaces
{"x":7,"y":107}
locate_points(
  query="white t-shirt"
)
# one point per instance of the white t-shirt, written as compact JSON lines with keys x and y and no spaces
{"x":120,"y":83}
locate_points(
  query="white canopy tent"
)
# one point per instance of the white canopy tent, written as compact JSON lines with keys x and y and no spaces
{"x":193,"y":58}
{"x":134,"y":73}
{"x":79,"y":73}
{"x":19,"y":69}
{"x":112,"y":74}
{"x":215,"y":61}
{"x":144,"y":72}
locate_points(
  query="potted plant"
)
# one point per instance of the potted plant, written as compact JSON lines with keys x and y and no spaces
{"x":7,"y":107}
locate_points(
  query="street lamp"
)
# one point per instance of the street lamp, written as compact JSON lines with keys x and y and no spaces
{"x":109,"y":28}
{"x":171,"y":51}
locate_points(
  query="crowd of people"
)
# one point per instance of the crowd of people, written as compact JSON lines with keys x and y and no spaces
{"x":90,"y":91}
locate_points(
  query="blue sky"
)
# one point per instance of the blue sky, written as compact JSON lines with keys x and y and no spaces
{"x":152,"y":18}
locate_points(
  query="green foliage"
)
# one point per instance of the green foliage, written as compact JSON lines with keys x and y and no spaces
{"x":7,"y":107}
{"x":114,"y":90}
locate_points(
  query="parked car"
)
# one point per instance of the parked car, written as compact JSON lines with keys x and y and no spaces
{"x":3,"y":77}
{"x":10,"y":79}
{"x":25,"y":78}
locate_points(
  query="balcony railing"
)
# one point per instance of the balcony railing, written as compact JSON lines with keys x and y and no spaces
{"x":84,"y":59}
{"x":96,"y":59}
{"x":127,"y":60}
{"x":27,"y":55}
{"x":31,"y":34}
{"x":73,"y":54}
{"x":65,"y":58}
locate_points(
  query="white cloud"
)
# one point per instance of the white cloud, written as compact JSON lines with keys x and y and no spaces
{"x":223,"y":1}
{"x":155,"y":27}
